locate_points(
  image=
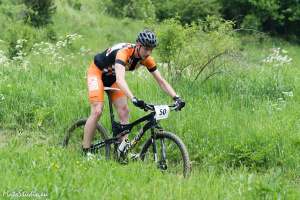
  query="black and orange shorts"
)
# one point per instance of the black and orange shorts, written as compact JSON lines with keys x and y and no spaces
{"x":96,"y":86}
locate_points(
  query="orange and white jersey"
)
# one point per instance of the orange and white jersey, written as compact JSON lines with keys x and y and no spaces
{"x":122,"y":53}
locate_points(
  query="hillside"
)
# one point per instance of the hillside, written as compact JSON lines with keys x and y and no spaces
{"x":241,"y":126}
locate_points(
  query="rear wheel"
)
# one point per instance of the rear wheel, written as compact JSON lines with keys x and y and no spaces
{"x":172,"y":155}
{"x":74,"y":136}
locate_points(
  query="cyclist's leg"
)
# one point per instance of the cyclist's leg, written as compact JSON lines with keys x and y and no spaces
{"x":90,"y":126}
{"x":96,"y":98}
{"x":119,"y":100}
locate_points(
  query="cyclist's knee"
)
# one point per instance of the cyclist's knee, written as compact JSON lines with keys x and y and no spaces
{"x":97,"y":109}
{"x":123,"y":112}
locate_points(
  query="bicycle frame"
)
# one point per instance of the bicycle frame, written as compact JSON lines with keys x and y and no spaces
{"x":120,"y":130}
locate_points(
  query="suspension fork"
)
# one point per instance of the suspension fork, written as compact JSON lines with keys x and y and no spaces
{"x":163,"y":150}
{"x":162,"y":161}
{"x":153,"y":137}
{"x":163,"y":145}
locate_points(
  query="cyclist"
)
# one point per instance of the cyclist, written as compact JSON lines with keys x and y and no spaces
{"x":108,"y":70}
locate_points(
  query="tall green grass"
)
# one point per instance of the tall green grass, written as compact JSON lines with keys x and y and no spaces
{"x":61,"y":174}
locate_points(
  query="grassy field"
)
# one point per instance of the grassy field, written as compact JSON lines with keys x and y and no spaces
{"x":242,"y":127}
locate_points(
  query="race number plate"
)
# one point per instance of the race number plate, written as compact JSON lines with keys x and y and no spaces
{"x":161,"y":111}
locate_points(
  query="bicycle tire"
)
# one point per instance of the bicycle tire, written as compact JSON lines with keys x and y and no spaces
{"x":78,"y":127}
{"x":186,"y":165}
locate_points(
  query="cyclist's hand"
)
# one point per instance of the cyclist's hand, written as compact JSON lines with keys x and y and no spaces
{"x":179,"y":103}
{"x":138,"y":103}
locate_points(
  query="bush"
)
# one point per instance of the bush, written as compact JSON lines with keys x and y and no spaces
{"x":76,"y":4}
{"x":115,"y":7}
{"x":51,"y":34}
{"x":276,"y":16}
{"x":171,"y":37}
{"x":39,"y":12}
{"x":12,"y":10}
{"x":20,"y":39}
{"x":187,"y":11}
{"x":194,"y":50}
{"x":139,"y":9}
{"x":251,"y":21}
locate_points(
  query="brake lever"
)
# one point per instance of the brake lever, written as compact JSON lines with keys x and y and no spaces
{"x":151,"y":107}
{"x":173,"y":107}
{"x":148,"y":107}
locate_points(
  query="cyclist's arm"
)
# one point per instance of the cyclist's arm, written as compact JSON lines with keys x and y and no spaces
{"x":120,"y":80}
{"x":164,"y":85}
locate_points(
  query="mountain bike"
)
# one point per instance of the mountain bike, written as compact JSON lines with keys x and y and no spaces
{"x":161,"y":147}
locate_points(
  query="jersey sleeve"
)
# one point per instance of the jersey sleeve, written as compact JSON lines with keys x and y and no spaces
{"x":122,"y":57}
{"x":149,"y":63}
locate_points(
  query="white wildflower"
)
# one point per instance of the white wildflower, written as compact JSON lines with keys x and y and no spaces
{"x":289,"y":94}
{"x":278,"y":58}
{"x":54,"y":50}
{"x":2,"y":98}
{"x":18,"y":46}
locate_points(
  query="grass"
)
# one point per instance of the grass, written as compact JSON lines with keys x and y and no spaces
{"x":241,"y":130}
{"x":63,"y":175}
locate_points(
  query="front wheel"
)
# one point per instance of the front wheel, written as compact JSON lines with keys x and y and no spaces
{"x":172,"y":155}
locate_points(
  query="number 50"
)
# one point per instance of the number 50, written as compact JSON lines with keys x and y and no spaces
{"x":162,"y":111}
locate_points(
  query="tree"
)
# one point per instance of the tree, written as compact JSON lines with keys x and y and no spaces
{"x":274,"y":16}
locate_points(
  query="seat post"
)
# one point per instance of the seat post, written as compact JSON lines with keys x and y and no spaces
{"x":111,"y":111}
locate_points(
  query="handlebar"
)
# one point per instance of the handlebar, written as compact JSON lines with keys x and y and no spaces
{"x":150,"y":107}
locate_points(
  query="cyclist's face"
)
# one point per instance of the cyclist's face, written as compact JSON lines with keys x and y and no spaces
{"x":145,"y":51}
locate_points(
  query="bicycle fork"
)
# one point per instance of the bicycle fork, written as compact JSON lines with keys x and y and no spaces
{"x":162,"y":162}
